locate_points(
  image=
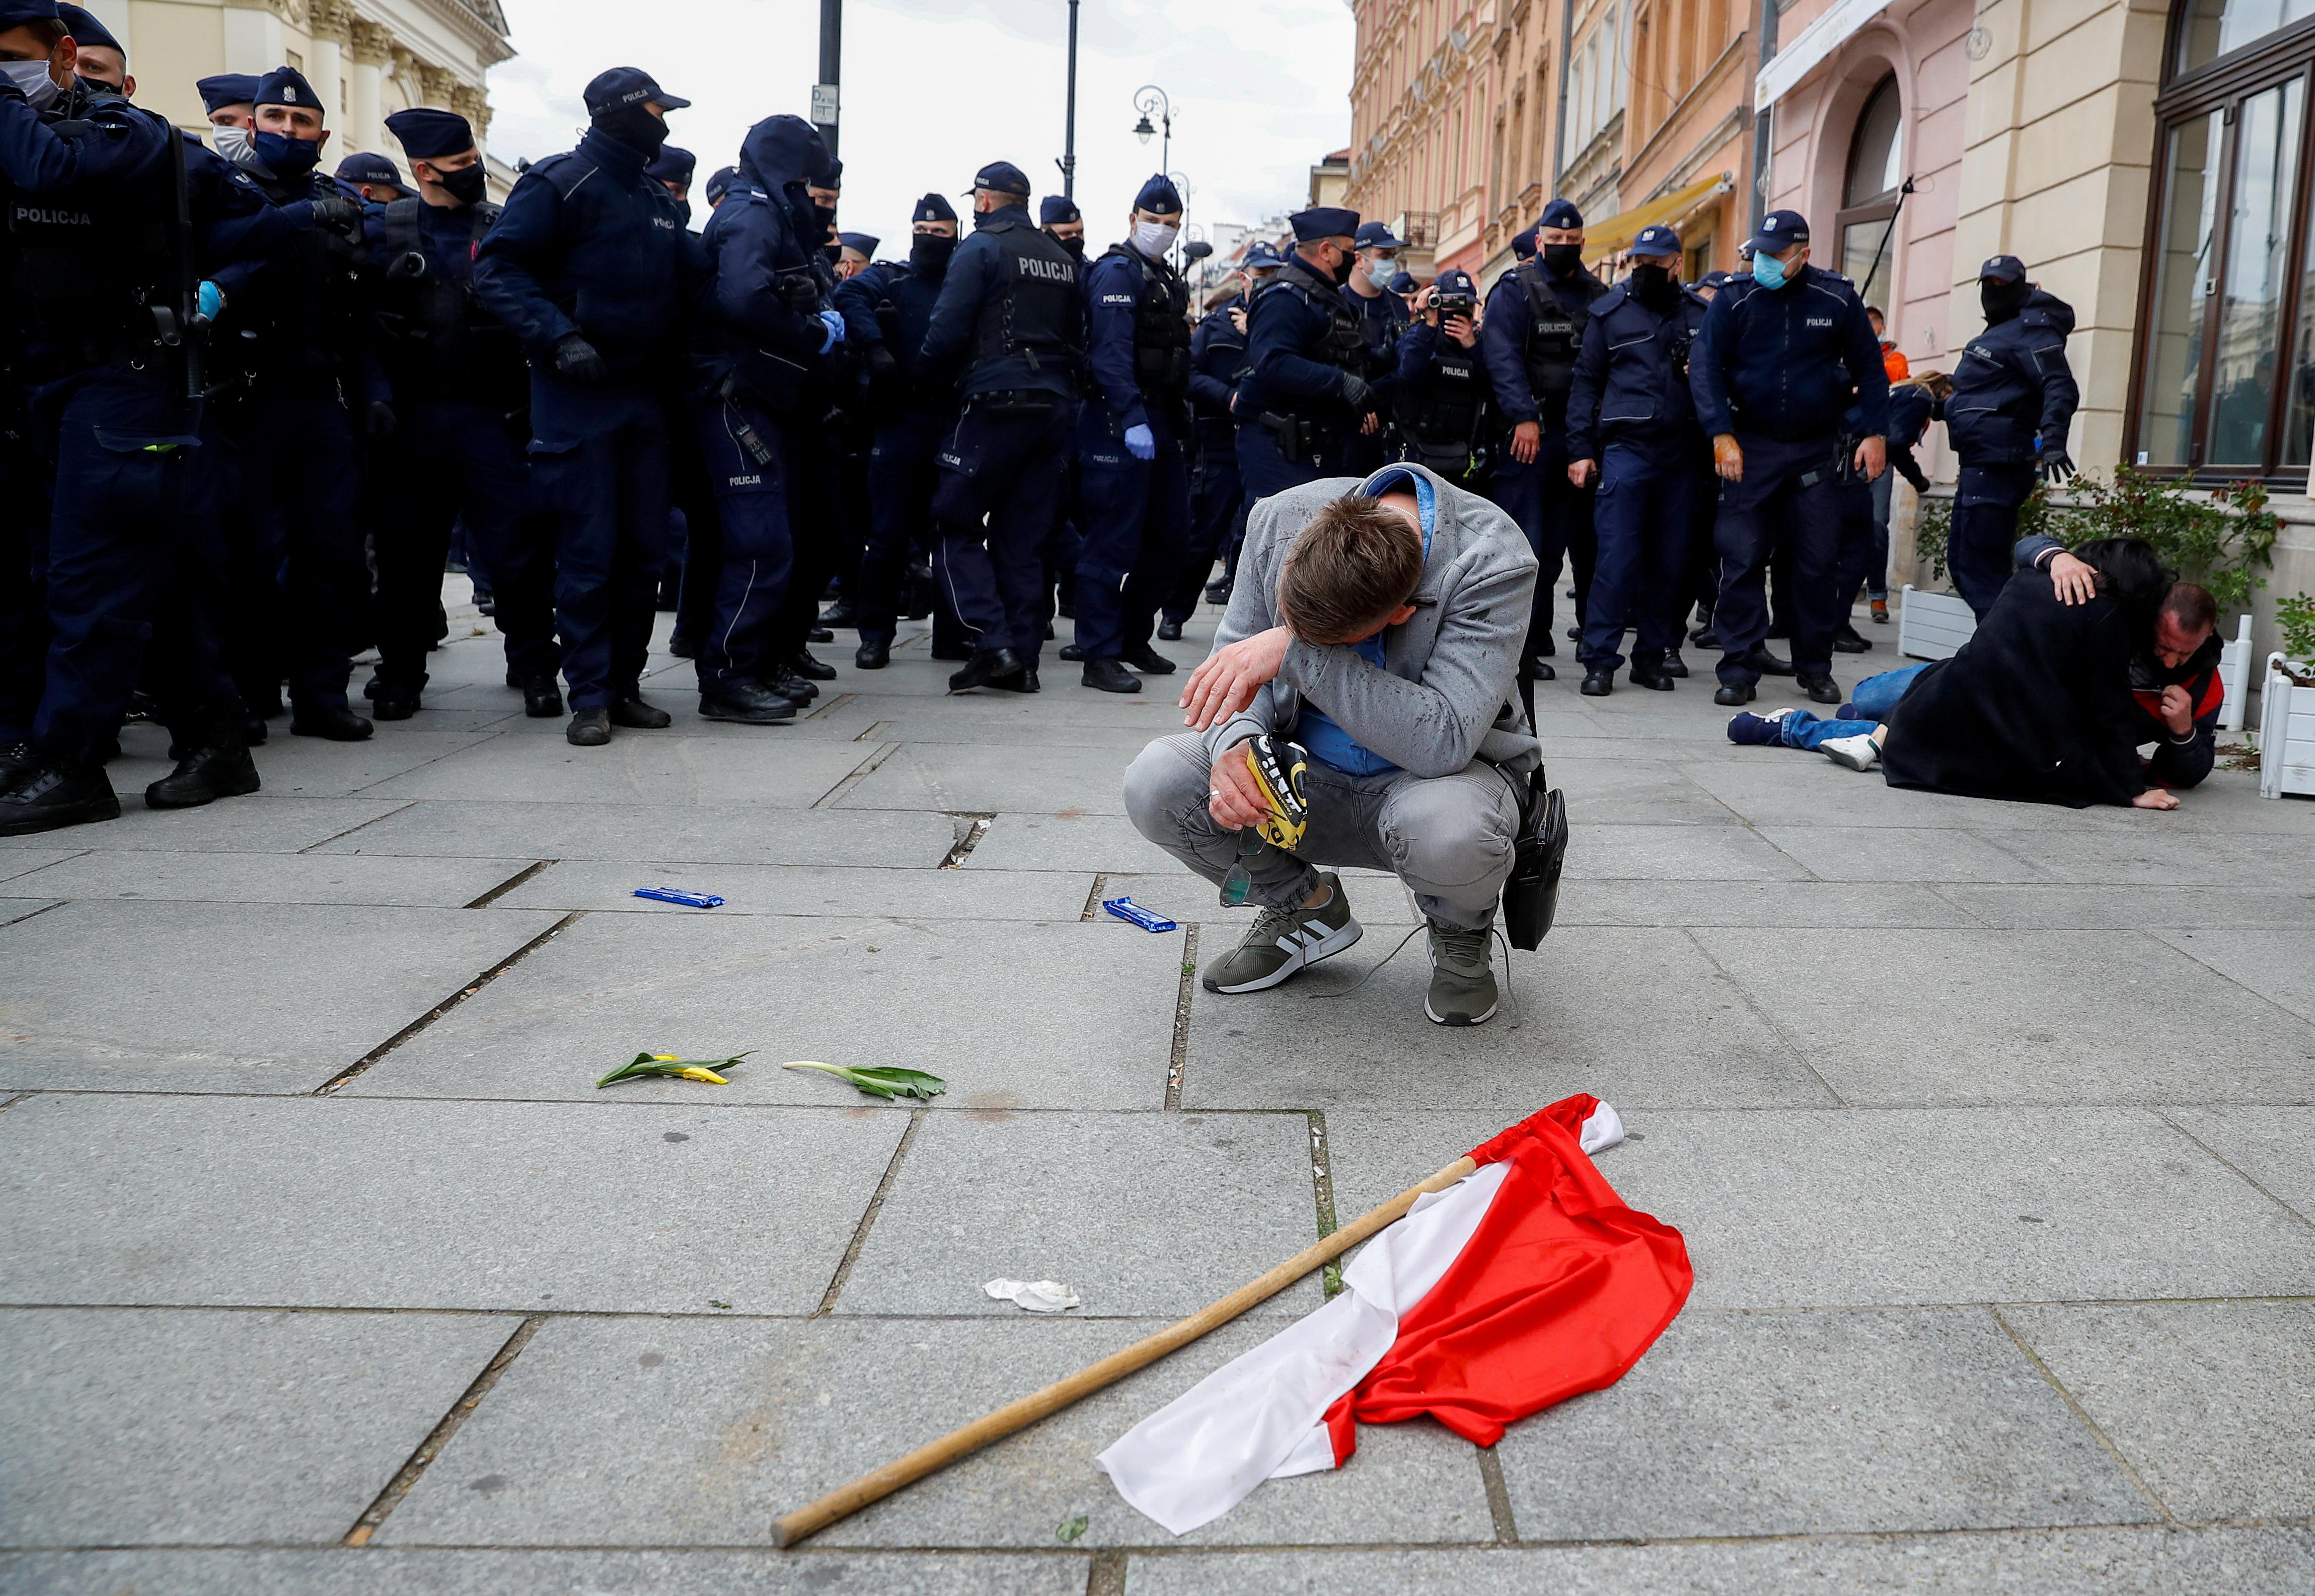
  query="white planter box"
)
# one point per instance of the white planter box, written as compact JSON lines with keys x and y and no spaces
{"x":2286,"y":735}
{"x":1932,"y":625}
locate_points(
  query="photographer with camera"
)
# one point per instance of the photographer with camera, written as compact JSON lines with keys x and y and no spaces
{"x":1445,"y":412}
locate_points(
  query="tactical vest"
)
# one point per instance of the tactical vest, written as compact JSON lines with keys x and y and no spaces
{"x":308,"y":319}
{"x":1442,"y":420}
{"x":1555,"y":335}
{"x":86,"y":272}
{"x":1034,"y":313}
{"x":439,"y":338}
{"x":1345,"y":342}
{"x":1161,"y":328}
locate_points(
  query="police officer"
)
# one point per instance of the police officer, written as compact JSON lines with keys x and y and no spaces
{"x":721,"y":182}
{"x":102,"y":317}
{"x":461,"y":403}
{"x":226,"y":99}
{"x":671,"y":169}
{"x":1781,"y":356}
{"x":1444,"y":415}
{"x":1534,"y":326}
{"x":100,"y":59}
{"x":589,"y":266}
{"x":313,"y":388}
{"x":376,"y":178}
{"x":854,"y":252}
{"x":1631,"y":429}
{"x":1383,"y":319}
{"x":1133,"y":433}
{"x":1306,"y":397}
{"x":1010,"y":315}
{"x":759,"y":388}
{"x":2011,"y":407}
{"x":1063,"y":223}
{"x":1217,"y":494}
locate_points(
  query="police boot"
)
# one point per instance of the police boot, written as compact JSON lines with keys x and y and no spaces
{"x":1539,"y":668}
{"x":49,"y":794}
{"x":541,"y":698}
{"x":1848,"y":641}
{"x":204,"y":775}
{"x":1024,"y":680}
{"x":873,"y":654}
{"x":1674,"y":666}
{"x":682,"y":644}
{"x":1598,"y":683}
{"x":1767,"y":663}
{"x":1732,"y":693}
{"x":629,"y":709}
{"x":842,"y":613}
{"x":788,"y":685}
{"x":392,"y":701}
{"x":1169,"y":630}
{"x":1656,"y":677}
{"x":751,"y":704}
{"x":334,"y":721}
{"x":16,"y":762}
{"x":1111,"y":676}
{"x":1142,"y":657}
{"x":590,"y":727}
{"x":1820,"y":690}
{"x":985,"y":666}
{"x":1072,"y":653}
{"x":810,"y":669}
{"x":1218,"y":591}
{"x":949,"y":650}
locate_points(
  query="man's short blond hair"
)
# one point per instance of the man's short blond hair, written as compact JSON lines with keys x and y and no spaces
{"x":1356,"y":566}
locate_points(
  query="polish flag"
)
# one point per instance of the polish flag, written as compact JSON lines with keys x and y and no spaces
{"x":1524,"y":1283}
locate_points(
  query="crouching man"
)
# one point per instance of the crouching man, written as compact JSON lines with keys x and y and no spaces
{"x":1377,"y":624}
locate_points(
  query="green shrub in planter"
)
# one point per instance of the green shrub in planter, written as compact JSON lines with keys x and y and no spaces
{"x":2295,"y":618}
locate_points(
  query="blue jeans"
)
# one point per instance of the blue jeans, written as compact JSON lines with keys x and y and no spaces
{"x":1873,"y":700}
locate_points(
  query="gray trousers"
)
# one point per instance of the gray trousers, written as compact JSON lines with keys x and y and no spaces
{"x":1448,"y":837}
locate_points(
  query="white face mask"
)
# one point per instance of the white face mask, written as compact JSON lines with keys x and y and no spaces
{"x":33,"y":80}
{"x":1153,"y":239}
{"x":234,"y":144}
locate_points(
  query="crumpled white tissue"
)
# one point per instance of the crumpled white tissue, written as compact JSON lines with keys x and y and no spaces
{"x":1039,"y":1297}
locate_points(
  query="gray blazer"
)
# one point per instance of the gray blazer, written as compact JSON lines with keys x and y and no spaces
{"x":1447,"y":692}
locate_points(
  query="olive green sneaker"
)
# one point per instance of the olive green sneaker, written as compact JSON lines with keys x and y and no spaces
{"x":1462,"y":977}
{"x":1282,"y":941}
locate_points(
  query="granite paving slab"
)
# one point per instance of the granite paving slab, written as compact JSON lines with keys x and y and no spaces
{"x":1051,"y":1016}
{"x":656,"y":767}
{"x":1609,"y":850}
{"x":2211,"y":861}
{"x":2021,"y":1016}
{"x":258,"y":999}
{"x":261,"y":823}
{"x":123,"y":1427}
{"x":16,"y":862}
{"x":2275,"y":1146}
{"x":1634,"y":792}
{"x":1066,"y":841}
{"x":1761,"y":905}
{"x":1900,"y":853}
{"x":848,"y":890}
{"x":380,"y":1571}
{"x":1376,"y":899}
{"x":2050,"y":907}
{"x":626,"y":1432}
{"x":450,"y":827}
{"x":213,"y":877}
{"x":1636,"y":1016}
{"x":1141,"y":1214}
{"x":621,"y":1207}
{"x":1810,"y":1423}
{"x":1032,"y":778}
{"x":309,"y":766}
{"x":1888,"y":1207}
{"x":2213,"y":1402}
{"x":2279,"y":968}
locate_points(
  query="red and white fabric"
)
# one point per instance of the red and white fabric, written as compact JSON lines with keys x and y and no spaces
{"x":1526,"y":1282}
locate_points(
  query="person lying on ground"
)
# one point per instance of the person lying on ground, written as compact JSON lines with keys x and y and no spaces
{"x":2043,"y":703}
{"x":1377,"y":624}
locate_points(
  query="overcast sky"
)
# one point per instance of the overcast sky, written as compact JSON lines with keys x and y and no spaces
{"x":932,"y":90}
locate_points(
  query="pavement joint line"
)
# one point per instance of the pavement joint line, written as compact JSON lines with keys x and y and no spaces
{"x":1105,"y":1573}
{"x":2098,"y":1431}
{"x":1761,"y":1013}
{"x":860,"y":772}
{"x":479,"y":741}
{"x":34,"y":914}
{"x":968,"y":835}
{"x":12,"y":1099}
{"x":1932,"y":888}
{"x":1499,"y":1496}
{"x":51,"y":864}
{"x":511,"y":883}
{"x":2239,"y":1171}
{"x":1093,"y":894}
{"x":1177,"y":1058}
{"x":331,"y":1087}
{"x":874,"y":729}
{"x":439,"y":1436}
{"x":2286,"y":1013}
{"x":868,"y":1216}
{"x":837,"y":702}
{"x":349,"y":830}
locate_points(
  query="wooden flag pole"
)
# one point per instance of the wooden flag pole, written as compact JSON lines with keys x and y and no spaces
{"x":1023,"y":1411}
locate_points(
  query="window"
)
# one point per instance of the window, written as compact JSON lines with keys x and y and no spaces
{"x":2225,"y":375}
{"x":1868,"y":197}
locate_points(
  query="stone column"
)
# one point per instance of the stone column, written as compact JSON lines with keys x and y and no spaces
{"x":369,"y":47}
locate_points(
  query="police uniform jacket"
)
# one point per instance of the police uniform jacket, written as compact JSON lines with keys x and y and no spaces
{"x":2012,"y":385}
{"x":1010,"y":311}
{"x":437,"y":340}
{"x":1300,"y":338}
{"x":588,"y":244}
{"x":1138,"y":340}
{"x":1441,"y":383}
{"x":1631,"y":377}
{"x":1786,"y":362}
{"x":764,"y":332}
{"x":1384,"y":319}
{"x":1511,"y":343}
{"x":1216,"y":366}
{"x":889,"y":304}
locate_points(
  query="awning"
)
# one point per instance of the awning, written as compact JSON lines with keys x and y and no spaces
{"x":1617,"y":233}
{"x":1808,"y":50}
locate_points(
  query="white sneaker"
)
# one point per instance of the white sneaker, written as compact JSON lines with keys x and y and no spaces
{"x":1860,"y":752}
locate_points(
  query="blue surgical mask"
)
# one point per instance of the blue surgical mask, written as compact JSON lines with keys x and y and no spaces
{"x":1769,"y":271}
{"x":1381,"y":271}
{"x":285,"y":156}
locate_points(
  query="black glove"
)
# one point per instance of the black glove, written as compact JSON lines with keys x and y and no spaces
{"x":883,"y":365}
{"x":377,"y":420}
{"x":1909,"y":468}
{"x":337,"y":214}
{"x":576,"y":363}
{"x":1355,"y":390}
{"x":800,"y":292}
{"x":2052,"y":461}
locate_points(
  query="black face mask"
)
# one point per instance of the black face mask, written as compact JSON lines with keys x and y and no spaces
{"x":683,"y":210}
{"x":1341,"y":272}
{"x":833,"y":254}
{"x":1562,"y":259}
{"x":823,"y":215}
{"x":1076,"y":246}
{"x":2002,"y":300}
{"x":634,"y":126}
{"x":928,"y":255}
{"x":468,"y":185}
{"x":1654,"y":287}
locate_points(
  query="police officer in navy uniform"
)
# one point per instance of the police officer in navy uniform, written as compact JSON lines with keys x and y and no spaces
{"x":1133,"y":435}
{"x":672,"y":169}
{"x":375,"y":177}
{"x":1307,"y":397}
{"x":228,"y":98}
{"x":1631,"y":429}
{"x":1781,"y":355}
{"x":1011,"y":317}
{"x":589,"y":265}
{"x":1443,"y":416}
{"x":1063,"y":223}
{"x":887,"y":310}
{"x":1217,"y":494}
{"x":1384,"y":319}
{"x":2011,"y":407}
{"x":1533,"y":328}
{"x":461,"y":405}
{"x":102,"y":320}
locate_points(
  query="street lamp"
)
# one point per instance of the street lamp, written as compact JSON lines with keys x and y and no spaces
{"x":1150,"y":99}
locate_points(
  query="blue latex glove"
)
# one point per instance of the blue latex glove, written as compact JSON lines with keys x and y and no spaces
{"x":835,"y":326}
{"x":1142,"y":443}
{"x":209,"y":300}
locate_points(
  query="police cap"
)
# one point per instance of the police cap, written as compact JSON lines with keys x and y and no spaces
{"x":1560,"y":213}
{"x":1779,"y":231}
{"x":85,"y":30}
{"x":719,"y":184}
{"x":226,"y":88}
{"x":1403,"y":283}
{"x":427,"y":135}
{"x":1454,"y":280}
{"x":1263,"y":257}
{"x":1160,"y":194}
{"x":1001,"y":177}
{"x":1376,"y":235}
{"x":672,"y":165}
{"x":935,"y":207}
{"x":1715,"y":279}
{"x":860,"y":242}
{"x":16,"y":13}
{"x":628,"y":86}
{"x":1656,"y":241}
{"x":366,"y":167}
{"x":2007,"y":269}
{"x":1523,"y":244}
{"x":1324,"y":221}
{"x":286,"y":85}
{"x":1054,"y":210}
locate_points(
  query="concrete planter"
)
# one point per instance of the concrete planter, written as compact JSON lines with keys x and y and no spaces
{"x":2286,"y":732}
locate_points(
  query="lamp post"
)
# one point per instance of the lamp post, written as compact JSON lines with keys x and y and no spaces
{"x":1068,"y":161}
{"x":1150,"y":99}
{"x":1182,"y":187}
